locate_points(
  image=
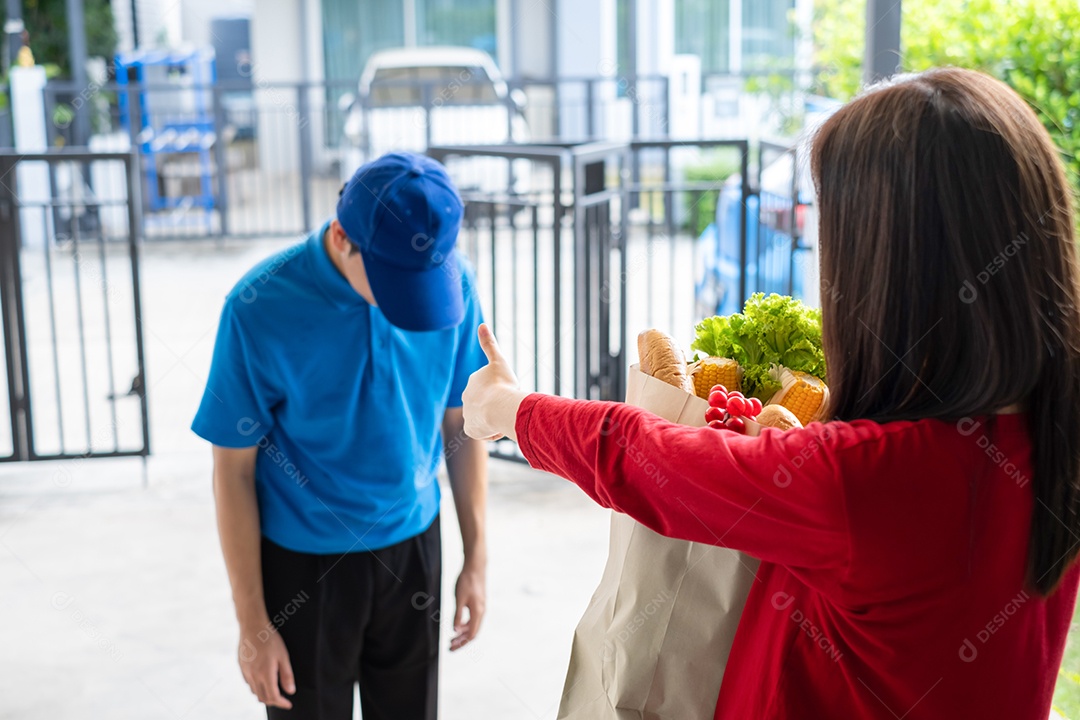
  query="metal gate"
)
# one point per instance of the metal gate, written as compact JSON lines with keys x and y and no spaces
{"x":578,"y":247}
{"x":69,"y":296}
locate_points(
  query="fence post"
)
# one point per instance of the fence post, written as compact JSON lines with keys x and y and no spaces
{"x":11,"y":307}
{"x":48,"y":99}
{"x":303,"y":126}
{"x":7,"y":138}
{"x":556,"y":99}
{"x":134,"y":113}
{"x":624,"y":251}
{"x":425,"y":98}
{"x":135,"y":237}
{"x":221,"y":161}
{"x":590,"y":114}
{"x":793,"y":224}
{"x":665,"y":83}
{"x":744,"y":170}
{"x":510,"y":112}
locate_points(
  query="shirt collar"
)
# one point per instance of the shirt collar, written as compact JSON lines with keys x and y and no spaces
{"x":330,"y":280}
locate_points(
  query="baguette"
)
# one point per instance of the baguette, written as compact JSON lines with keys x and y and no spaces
{"x":778,"y":416}
{"x":662,"y":358}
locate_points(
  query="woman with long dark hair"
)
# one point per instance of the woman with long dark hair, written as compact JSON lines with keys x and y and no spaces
{"x":917,"y":549}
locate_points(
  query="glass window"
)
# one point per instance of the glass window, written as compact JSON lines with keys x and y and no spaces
{"x":353,"y":30}
{"x":470,"y":23}
{"x":768,"y":34}
{"x":701,"y":28}
{"x":623,"y":47}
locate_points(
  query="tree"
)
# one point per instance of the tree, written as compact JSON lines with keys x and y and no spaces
{"x":1032,"y":45}
{"x":46,"y":23}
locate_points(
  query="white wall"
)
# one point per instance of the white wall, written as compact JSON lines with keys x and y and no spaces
{"x":586,"y":37}
{"x":184,"y":22}
{"x":196,"y":15}
{"x":532,"y":34}
{"x":585,"y":48}
{"x":655,"y":36}
{"x":276,"y":57}
{"x":275,"y":42}
{"x":655,"y":56}
{"x":157,"y":20}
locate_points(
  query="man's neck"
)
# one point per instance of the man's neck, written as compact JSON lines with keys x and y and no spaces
{"x":335,"y":259}
{"x":364,"y":290}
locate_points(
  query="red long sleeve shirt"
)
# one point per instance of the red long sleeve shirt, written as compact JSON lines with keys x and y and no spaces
{"x":893,"y":556}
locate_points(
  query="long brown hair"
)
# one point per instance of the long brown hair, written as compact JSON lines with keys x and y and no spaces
{"x":950,"y":279}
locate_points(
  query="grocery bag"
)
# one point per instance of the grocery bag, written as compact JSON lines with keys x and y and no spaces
{"x":655,"y":638}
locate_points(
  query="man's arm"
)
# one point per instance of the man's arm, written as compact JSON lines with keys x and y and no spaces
{"x":466,"y":464}
{"x":262,"y":652}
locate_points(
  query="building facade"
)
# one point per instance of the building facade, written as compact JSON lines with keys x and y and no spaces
{"x":330,"y":40}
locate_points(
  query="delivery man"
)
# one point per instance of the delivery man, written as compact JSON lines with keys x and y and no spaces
{"x":334,"y":392}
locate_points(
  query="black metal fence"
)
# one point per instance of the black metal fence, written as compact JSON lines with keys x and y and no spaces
{"x":7,"y":135}
{"x":578,"y":244}
{"x":258,"y":159}
{"x":221,"y":160}
{"x":591,"y":243}
{"x":72,"y":326}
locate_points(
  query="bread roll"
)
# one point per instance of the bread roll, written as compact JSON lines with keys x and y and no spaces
{"x":662,"y":358}
{"x":778,"y":416}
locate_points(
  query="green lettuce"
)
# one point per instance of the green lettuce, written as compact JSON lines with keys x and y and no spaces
{"x":772,"y":330}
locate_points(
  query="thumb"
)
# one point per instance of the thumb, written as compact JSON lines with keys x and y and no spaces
{"x":288,"y":680}
{"x":459,"y":613}
{"x":489,"y":344}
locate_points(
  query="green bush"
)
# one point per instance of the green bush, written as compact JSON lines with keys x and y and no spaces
{"x":1033,"y":45}
{"x":46,"y":23}
{"x":701,"y":204}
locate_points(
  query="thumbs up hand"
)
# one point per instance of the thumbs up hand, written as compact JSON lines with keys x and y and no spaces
{"x":492,"y":397}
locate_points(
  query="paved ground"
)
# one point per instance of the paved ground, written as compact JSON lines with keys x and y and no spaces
{"x":114,"y":601}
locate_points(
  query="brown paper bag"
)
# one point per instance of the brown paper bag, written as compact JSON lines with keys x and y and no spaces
{"x":655,"y":638}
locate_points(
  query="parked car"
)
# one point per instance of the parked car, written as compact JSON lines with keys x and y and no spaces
{"x":773,"y":262}
{"x":410,"y":98}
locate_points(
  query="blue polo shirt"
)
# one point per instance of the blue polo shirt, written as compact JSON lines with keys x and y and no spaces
{"x":346,"y":409}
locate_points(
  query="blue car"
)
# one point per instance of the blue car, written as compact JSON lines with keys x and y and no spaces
{"x":774,"y":263}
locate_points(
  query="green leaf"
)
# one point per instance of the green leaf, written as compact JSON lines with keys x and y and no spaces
{"x":771,"y":330}
{"x":1033,"y":45}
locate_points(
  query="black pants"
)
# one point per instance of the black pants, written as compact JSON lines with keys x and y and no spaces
{"x":367,"y":617}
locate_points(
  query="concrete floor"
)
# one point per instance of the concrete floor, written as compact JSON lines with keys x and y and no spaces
{"x":114,"y":601}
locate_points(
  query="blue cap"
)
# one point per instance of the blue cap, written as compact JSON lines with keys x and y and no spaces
{"x":403,"y":214}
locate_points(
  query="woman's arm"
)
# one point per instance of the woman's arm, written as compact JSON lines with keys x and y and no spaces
{"x":776,"y":496}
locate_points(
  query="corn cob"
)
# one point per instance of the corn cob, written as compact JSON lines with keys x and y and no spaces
{"x":803,"y":394}
{"x":714,"y":371}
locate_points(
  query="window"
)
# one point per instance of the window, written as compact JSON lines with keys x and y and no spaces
{"x":768,"y":37}
{"x":764,"y":40}
{"x":456,"y":22}
{"x":702,"y":29}
{"x":353,"y":30}
{"x":623,"y":41}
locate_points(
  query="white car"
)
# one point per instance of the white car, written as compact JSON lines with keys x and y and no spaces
{"x":412,"y":98}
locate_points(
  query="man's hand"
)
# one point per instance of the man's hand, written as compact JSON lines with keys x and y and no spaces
{"x":492,"y":397}
{"x":266,"y":668}
{"x":470,"y":592}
